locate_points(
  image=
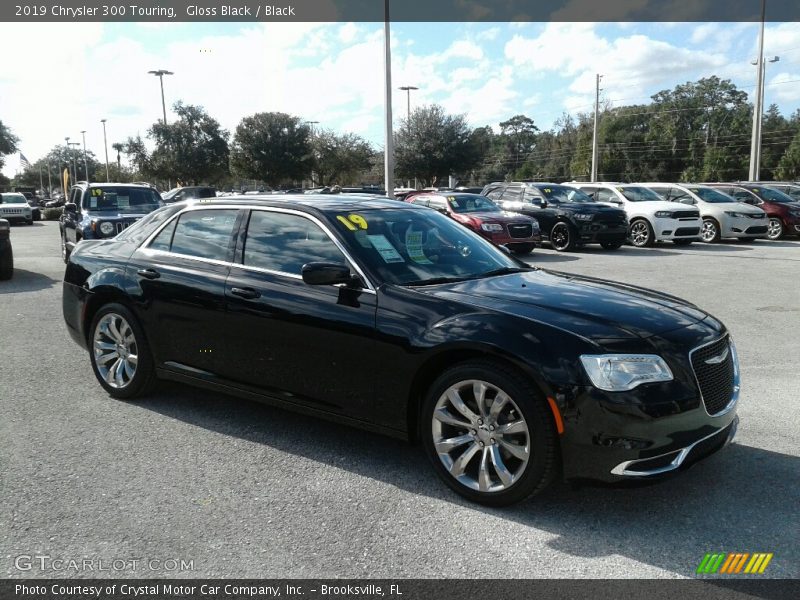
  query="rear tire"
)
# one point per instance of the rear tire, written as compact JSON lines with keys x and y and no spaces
{"x":710,"y":232}
{"x":497,"y":446}
{"x":563,"y":238}
{"x":7,"y":265}
{"x":775,"y":229}
{"x":120,"y":354}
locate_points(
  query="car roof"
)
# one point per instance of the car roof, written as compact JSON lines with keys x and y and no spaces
{"x":316,"y":202}
{"x":113,"y":184}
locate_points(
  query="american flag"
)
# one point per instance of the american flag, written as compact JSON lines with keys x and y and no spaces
{"x":24,"y":162}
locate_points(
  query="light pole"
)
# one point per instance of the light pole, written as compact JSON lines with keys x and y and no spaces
{"x":160,"y":74}
{"x":388,"y":159}
{"x":105,"y":145}
{"x":407,"y":89}
{"x":311,"y":129}
{"x":69,"y":153}
{"x":594,"y":134}
{"x":74,"y":166}
{"x":85,"y":162}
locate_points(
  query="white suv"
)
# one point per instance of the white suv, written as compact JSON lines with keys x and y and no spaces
{"x":651,"y":219}
{"x":723,"y":216}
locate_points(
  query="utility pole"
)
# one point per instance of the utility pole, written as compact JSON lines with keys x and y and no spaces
{"x":388,"y":160}
{"x":160,"y":74}
{"x":755,"y":142}
{"x":85,"y":162}
{"x":594,"y":135}
{"x":49,"y":181}
{"x":407,"y":89}
{"x":105,"y":145}
{"x":74,"y":165}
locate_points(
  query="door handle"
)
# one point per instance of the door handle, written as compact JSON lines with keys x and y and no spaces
{"x":148,"y":273}
{"x":246,"y":293}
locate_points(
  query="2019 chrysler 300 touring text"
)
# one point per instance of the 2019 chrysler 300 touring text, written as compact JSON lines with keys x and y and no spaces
{"x":397,"y":319}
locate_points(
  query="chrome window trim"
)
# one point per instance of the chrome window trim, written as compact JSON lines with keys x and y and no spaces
{"x":736,"y":376}
{"x":144,"y":246}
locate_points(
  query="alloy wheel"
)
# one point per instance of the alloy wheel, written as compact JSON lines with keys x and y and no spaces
{"x":640,"y":233}
{"x":480,"y":436}
{"x":774,"y":229}
{"x":560,"y":236}
{"x":709,"y":231}
{"x":116,"y":352}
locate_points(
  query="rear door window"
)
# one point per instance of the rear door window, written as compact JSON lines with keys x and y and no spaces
{"x":202,"y":233}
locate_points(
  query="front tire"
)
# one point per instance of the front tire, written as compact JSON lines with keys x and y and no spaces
{"x":489,"y":434}
{"x":64,"y":250}
{"x":710,"y":232}
{"x":775,"y":229}
{"x":119,"y":353}
{"x":641,"y":233}
{"x":7,"y":264}
{"x":521,"y":248}
{"x":563,"y":238}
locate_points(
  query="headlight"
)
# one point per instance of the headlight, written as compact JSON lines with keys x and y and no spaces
{"x":491,"y":227}
{"x":622,"y":372}
{"x":734,"y":214}
{"x":106,"y":228}
{"x":663,"y":214}
{"x":584,"y":217}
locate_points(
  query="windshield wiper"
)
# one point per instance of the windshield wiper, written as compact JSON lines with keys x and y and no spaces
{"x":435,"y":280}
{"x":506,"y":271}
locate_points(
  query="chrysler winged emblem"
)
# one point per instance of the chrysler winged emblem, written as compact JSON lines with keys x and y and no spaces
{"x":715,"y":360}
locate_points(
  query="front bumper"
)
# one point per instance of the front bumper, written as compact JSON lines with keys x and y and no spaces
{"x":677,"y":229}
{"x":591,"y":232}
{"x":18,"y":217}
{"x":743,"y":227}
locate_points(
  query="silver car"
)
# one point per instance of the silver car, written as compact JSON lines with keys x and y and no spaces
{"x":723,"y":216}
{"x":14,"y":207}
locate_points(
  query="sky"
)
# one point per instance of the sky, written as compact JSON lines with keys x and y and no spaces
{"x":63,"y":78}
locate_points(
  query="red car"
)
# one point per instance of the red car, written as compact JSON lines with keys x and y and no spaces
{"x":782,"y":210}
{"x":518,"y":233}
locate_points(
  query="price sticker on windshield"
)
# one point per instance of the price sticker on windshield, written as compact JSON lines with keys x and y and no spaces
{"x":353,"y":222}
{"x":97,"y":192}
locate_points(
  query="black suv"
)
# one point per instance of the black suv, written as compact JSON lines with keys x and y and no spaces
{"x":101,"y":210}
{"x":567,"y":216}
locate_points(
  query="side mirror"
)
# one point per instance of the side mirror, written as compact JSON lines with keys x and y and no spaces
{"x":321,"y":273}
{"x":70,"y":207}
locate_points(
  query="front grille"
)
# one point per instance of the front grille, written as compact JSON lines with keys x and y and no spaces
{"x":520,"y":230}
{"x":686,"y":214}
{"x":120,"y":225}
{"x":687,"y":231}
{"x":716,"y":380}
{"x":612,"y":219}
{"x":756,"y":229}
{"x":12,"y":211}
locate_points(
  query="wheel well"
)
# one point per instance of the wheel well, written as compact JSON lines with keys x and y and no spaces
{"x":434,"y":367}
{"x":98,"y":299}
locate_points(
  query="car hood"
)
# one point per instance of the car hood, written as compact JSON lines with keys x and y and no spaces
{"x":497,"y":217}
{"x":110,"y":215}
{"x":592,"y":308}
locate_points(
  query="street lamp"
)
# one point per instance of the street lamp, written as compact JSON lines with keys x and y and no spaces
{"x":160,"y":74}
{"x":74,"y":167}
{"x":105,"y":145}
{"x":311,"y":128}
{"x":388,"y":157}
{"x":85,"y":162}
{"x":407,"y":89}
{"x":69,"y":152}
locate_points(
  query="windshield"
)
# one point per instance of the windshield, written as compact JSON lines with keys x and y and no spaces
{"x":418,"y":247}
{"x":13,"y":199}
{"x":772,"y":195}
{"x":639,"y":194}
{"x":122,"y":199}
{"x":170,"y":194}
{"x":472,"y":203}
{"x":562,"y":193}
{"x":710,"y":195}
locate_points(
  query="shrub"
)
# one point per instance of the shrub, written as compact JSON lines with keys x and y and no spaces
{"x":52,"y":214}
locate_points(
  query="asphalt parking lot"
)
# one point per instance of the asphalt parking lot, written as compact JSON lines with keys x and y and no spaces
{"x":245,"y":490}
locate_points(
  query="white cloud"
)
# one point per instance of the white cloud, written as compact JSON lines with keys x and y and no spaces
{"x":348,"y":32}
{"x":488,"y":35}
{"x":783,"y":88}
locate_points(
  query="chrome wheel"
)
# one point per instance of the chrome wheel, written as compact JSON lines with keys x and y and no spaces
{"x":640,"y":233}
{"x":116,"y":353}
{"x":774,"y":229}
{"x":480,"y":436}
{"x":709,"y":231}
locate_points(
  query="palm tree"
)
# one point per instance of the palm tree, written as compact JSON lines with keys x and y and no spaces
{"x":119,"y":147}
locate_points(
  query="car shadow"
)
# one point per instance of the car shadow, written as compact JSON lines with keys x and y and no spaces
{"x":743,"y":499}
{"x":26,"y":281}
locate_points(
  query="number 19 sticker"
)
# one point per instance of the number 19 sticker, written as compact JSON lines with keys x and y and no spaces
{"x":352,"y":220}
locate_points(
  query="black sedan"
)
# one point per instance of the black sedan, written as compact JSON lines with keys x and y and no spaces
{"x":397,"y":319}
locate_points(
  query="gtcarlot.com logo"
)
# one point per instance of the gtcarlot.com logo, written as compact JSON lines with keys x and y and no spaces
{"x":45,"y":562}
{"x":733,"y":563}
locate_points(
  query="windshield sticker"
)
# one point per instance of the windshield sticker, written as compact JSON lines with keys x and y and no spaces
{"x":358,"y":220}
{"x":346,"y":223}
{"x":97,"y":192}
{"x":92,"y":203}
{"x":388,"y":253}
{"x":123,"y":202}
{"x":414,"y":248}
{"x":453,"y":201}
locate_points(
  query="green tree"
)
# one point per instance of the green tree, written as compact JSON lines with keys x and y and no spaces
{"x":434,"y":145}
{"x":274,"y":147}
{"x":518,"y":135}
{"x":193,"y":149}
{"x":789,"y":166}
{"x":8,"y":143}
{"x":339,"y":158}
